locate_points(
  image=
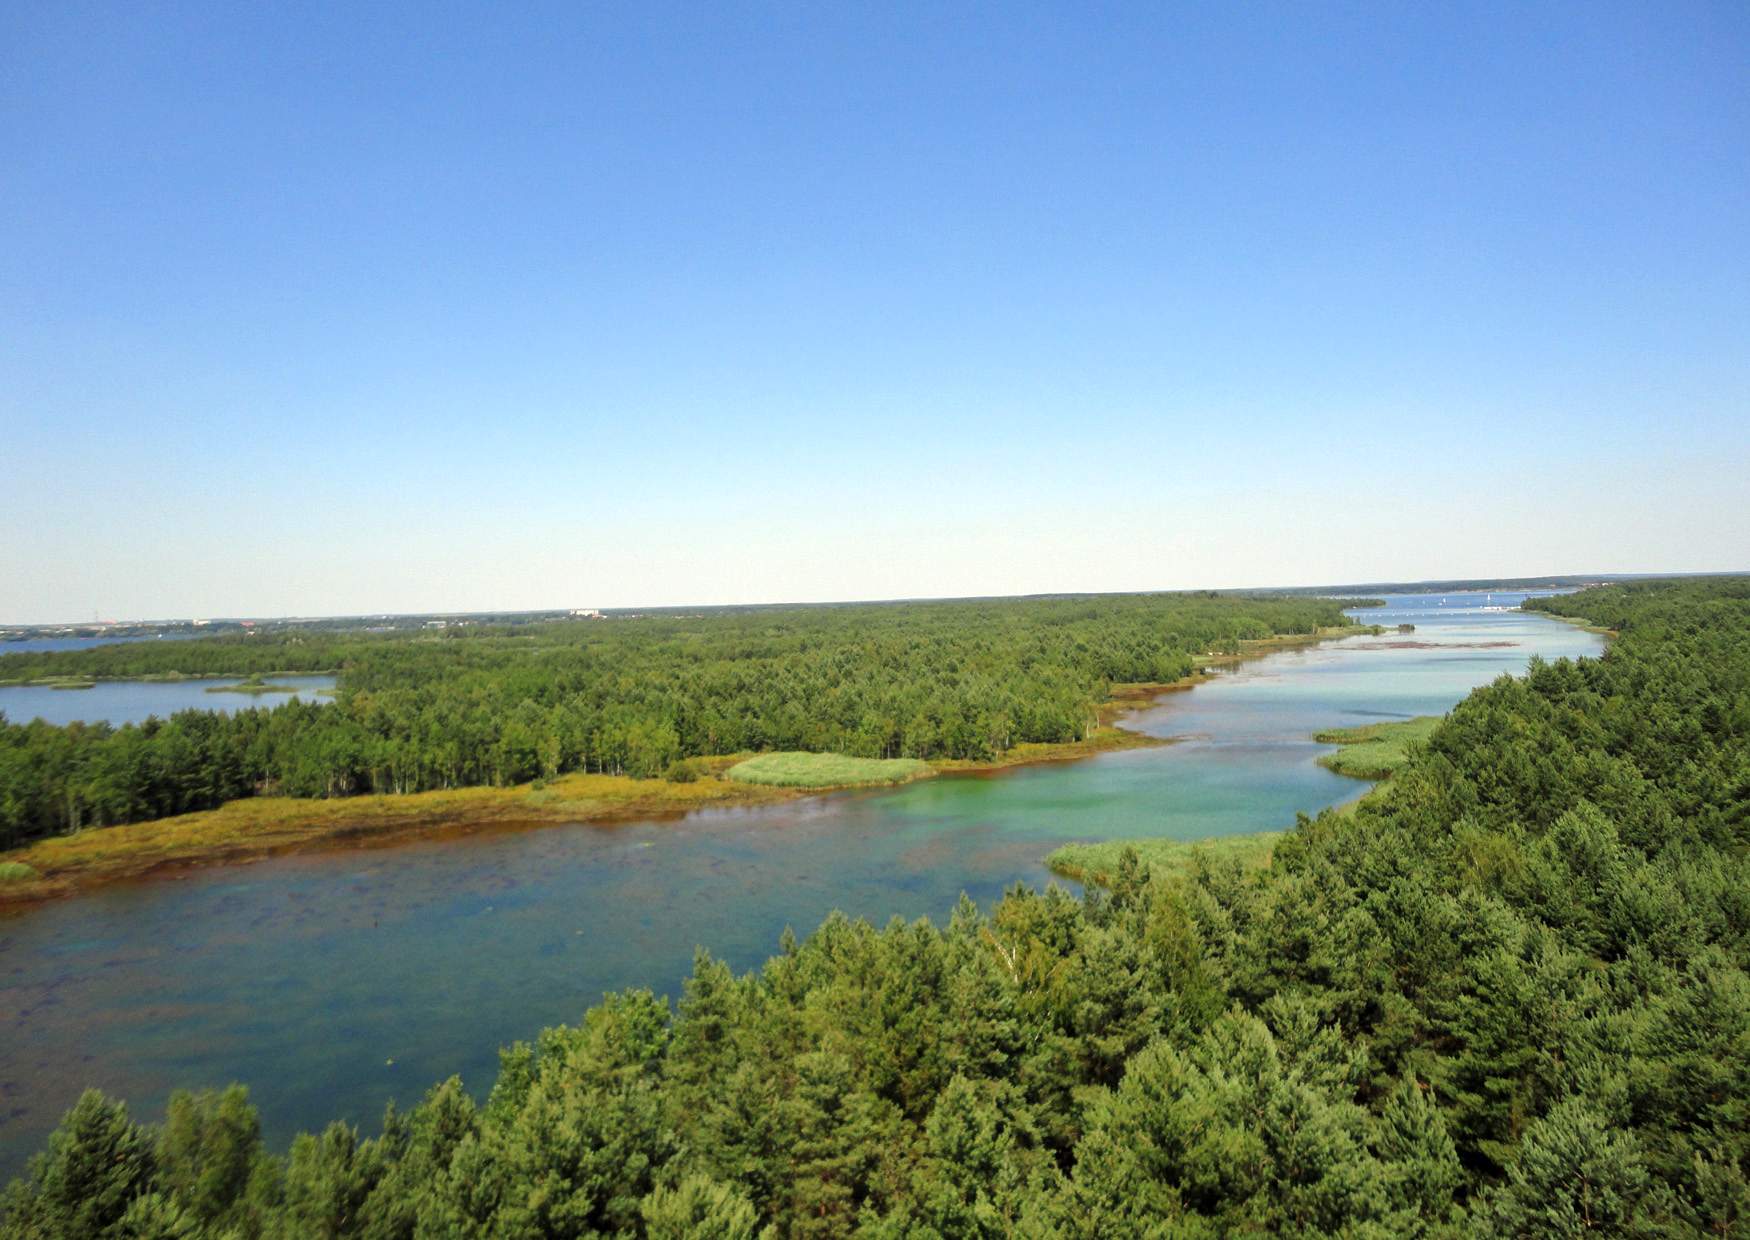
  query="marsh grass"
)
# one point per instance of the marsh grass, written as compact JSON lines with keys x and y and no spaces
{"x":826,"y":770}
{"x":1096,"y":863}
{"x":265,"y":825}
{"x":1374,"y":750}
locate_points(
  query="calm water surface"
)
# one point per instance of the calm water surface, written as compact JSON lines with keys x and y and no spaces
{"x":133,"y":701}
{"x":36,"y":645}
{"x":331,"y":983}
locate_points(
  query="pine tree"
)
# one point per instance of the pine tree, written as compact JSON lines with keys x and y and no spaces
{"x":96,"y":1163}
{"x":1575,"y":1176}
{"x":698,"y":1208}
{"x":1422,"y":1171}
{"x":207,"y":1151}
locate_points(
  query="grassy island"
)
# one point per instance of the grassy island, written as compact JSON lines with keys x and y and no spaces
{"x":1097,"y":863}
{"x":1374,"y":750}
{"x":826,"y":770}
{"x":255,"y":685}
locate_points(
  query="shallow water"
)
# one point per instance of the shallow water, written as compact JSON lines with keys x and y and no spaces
{"x":332,"y":982}
{"x":133,"y":701}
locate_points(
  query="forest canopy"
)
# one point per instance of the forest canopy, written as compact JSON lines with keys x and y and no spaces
{"x":506,"y":704}
{"x":1508,"y":996}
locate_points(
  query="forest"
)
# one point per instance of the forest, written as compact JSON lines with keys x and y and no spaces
{"x":507,"y":704}
{"x":1506,"y":996}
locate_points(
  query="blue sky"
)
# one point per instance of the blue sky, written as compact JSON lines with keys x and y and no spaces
{"x":352,"y":307}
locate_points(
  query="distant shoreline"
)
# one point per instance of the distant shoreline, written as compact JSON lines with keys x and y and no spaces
{"x":256,"y":828}
{"x":152,"y":678}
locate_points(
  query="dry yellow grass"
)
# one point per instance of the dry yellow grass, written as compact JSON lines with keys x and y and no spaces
{"x":263,"y":826}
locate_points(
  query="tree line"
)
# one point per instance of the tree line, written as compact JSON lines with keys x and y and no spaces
{"x":503,"y":705}
{"x":1507,"y":996}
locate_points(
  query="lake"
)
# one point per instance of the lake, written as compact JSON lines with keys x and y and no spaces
{"x":133,"y":701}
{"x":38,"y":645}
{"x":332,"y":982}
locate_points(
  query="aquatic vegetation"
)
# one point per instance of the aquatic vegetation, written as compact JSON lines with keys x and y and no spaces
{"x":254,"y":685}
{"x":1098,"y":863}
{"x":1375,"y":750}
{"x":826,"y":770}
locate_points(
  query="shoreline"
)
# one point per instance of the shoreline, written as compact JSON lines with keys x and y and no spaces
{"x":1369,"y":753}
{"x":1584,"y":625}
{"x":258,"y":828}
{"x":156,"y":678}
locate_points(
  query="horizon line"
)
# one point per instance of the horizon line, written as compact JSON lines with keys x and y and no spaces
{"x":1532,"y":581}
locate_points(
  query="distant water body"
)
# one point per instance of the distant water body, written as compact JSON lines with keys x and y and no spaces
{"x":332,"y":982}
{"x":133,"y":701}
{"x":38,"y":645}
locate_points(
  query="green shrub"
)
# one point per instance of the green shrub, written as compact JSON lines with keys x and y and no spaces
{"x":683,"y":771}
